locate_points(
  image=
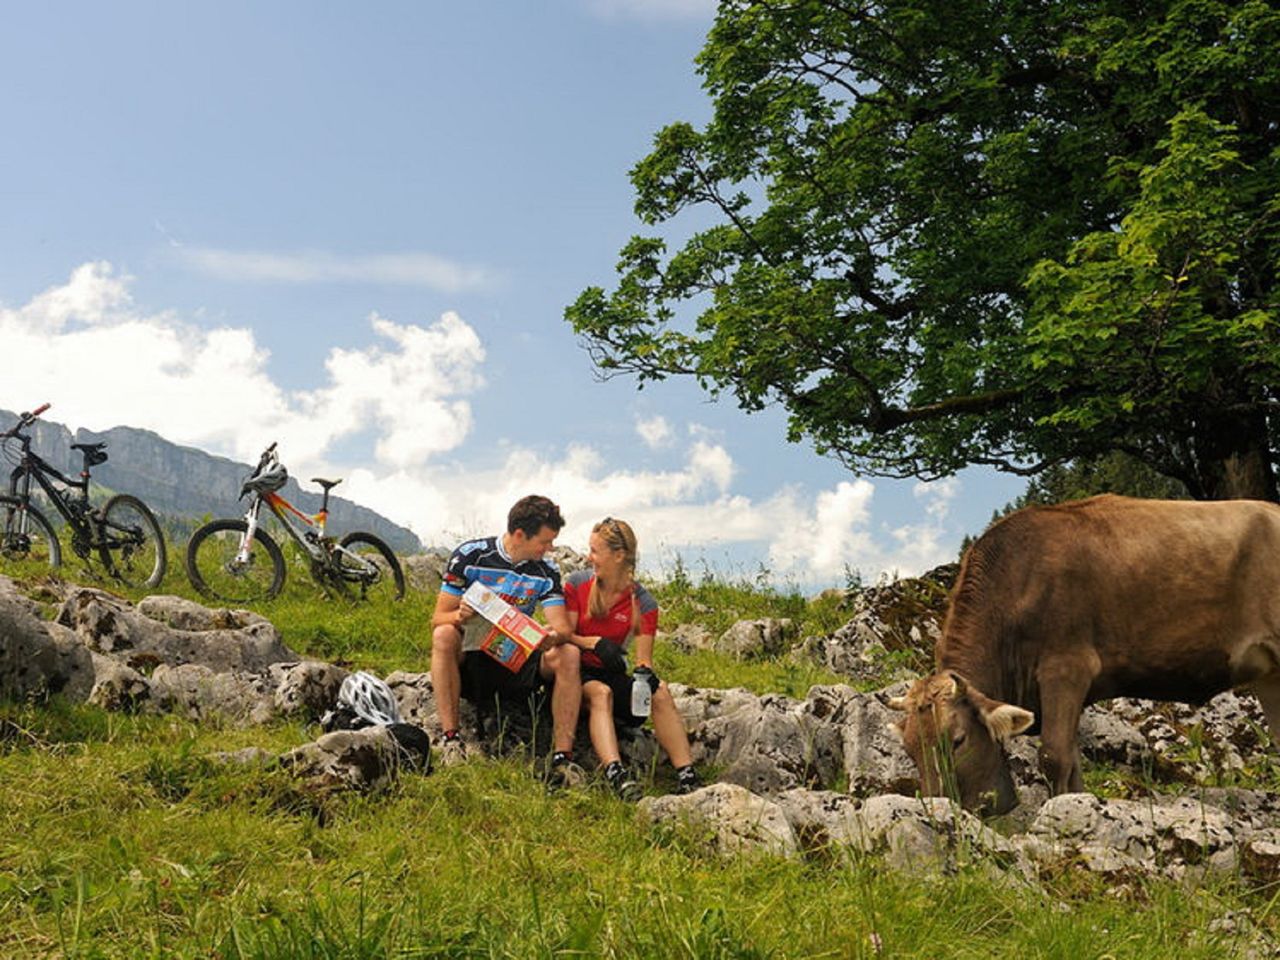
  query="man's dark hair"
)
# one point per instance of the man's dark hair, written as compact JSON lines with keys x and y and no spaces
{"x":532,"y":513}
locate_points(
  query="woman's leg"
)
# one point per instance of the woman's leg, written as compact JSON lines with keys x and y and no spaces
{"x":668,"y":727}
{"x":604,"y":738}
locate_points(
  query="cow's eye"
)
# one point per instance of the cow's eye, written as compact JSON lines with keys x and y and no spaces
{"x":957,"y":740}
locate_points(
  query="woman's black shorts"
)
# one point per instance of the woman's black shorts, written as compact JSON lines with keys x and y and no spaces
{"x":620,"y":684}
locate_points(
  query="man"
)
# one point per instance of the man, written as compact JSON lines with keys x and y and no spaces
{"x":512,"y":566}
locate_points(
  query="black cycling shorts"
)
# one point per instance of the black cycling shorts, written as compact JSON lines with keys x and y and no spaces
{"x":620,"y":684}
{"x":483,"y":677}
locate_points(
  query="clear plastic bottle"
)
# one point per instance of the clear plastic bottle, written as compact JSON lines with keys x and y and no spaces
{"x":641,"y":692}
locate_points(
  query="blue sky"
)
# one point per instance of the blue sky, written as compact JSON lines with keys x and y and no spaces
{"x":354,"y":229}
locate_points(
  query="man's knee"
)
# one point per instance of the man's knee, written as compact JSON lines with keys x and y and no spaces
{"x":564,"y":662}
{"x":447,"y":640}
{"x":598,"y":694}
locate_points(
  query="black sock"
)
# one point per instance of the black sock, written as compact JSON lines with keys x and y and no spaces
{"x":558,"y":758}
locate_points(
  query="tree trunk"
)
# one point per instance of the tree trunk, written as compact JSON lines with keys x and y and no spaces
{"x":1233,"y":458}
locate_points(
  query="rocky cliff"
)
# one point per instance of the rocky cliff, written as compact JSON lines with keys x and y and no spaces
{"x":184,"y":484}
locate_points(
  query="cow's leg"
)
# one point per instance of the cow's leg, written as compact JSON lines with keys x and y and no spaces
{"x":1061,"y":702}
{"x":1267,"y":690}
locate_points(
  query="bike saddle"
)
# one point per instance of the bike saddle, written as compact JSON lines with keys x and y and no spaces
{"x":327,"y":484}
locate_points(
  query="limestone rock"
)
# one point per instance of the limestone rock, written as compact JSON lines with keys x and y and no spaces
{"x":39,"y":658}
{"x":109,"y":625}
{"x":766,"y":637}
{"x":734,"y":819}
{"x":366,"y":760}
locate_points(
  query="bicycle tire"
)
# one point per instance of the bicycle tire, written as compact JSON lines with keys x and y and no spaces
{"x":131,"y":543}
{"x":211,"y":553}
{"x":17,"y":541}
{"x":373,"y":550}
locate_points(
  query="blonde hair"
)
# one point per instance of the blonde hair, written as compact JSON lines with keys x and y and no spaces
{"x":617,"y":535}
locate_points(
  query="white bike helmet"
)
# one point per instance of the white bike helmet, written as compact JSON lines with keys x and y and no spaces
{"x":266,"y":479}
{"x":369,"y":698}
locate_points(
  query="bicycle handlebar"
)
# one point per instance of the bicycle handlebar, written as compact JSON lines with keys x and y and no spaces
{"x":26,"y":419}
{"x":267,"y":455}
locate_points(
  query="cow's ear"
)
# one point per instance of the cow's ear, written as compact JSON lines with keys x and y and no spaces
{"x":1004,"y":720}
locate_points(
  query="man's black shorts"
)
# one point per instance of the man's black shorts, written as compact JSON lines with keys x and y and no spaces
{"x":620,"y":684}
{"x":484,"y":677}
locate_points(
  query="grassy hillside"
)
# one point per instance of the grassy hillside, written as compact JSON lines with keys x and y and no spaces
{"x":119,"y":837}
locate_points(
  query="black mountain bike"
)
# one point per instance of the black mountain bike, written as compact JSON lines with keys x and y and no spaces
{"x":123,"y":532}
{"x":237,"y":561}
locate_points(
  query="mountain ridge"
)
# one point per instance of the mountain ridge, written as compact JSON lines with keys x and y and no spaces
{"x":186,"y":483}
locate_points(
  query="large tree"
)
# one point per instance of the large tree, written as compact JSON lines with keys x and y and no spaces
{"x":951,"y":232}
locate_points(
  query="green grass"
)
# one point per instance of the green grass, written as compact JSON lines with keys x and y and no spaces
{"x":121,"y":836}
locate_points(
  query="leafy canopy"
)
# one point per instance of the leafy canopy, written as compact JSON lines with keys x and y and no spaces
{"x":974,"y":232}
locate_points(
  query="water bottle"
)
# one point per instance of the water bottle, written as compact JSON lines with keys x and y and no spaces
{"x":641,"y":692}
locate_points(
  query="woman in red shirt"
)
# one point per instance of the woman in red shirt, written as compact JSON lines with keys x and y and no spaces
{"x":612,"y":614}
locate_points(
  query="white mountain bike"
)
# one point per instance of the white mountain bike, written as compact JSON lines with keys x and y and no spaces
{"x":237,"y":561}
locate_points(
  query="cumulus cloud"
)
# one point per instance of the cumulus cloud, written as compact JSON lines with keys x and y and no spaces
{"x":399,"y":269}
{"x":656,"y":432}
{"x":211,"y":388}
{"x":103,"y":362}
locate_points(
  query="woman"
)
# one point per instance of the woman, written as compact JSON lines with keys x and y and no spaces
{"x":611,"y":613}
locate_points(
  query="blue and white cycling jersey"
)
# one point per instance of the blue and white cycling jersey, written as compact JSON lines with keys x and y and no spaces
{"x":523,"y":584}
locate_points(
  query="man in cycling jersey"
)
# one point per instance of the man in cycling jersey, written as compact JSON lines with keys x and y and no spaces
{"x":514,"y":566}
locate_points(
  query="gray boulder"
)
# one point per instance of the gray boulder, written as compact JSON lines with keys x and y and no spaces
{"x":39,"y":658}
{"x":425,"y":571}
{"x":732,"y":819}
{"x":766,"y":637}
{"x":1168,"y":837}
{"x":201,"y":693}
{"x":367,"y":760}
{"x":109,"y":625}
{"x":305,"y":689}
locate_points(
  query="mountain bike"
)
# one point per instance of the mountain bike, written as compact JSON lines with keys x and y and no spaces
{"x":123,"y":532}
{"x":237,"y":561}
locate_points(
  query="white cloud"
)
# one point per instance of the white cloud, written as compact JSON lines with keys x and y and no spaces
{"x":398,"y":269}
{"x":654,"y":431}
{"x":103,"y":362}
{"x":654,"y":9}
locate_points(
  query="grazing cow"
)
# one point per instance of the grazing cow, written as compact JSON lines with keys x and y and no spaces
{"x":1056,"y":607}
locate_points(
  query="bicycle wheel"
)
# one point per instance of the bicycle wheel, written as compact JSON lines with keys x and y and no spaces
{"x":215,"y":571}
{"x":131,"y":543}
{"x":369,"y":566}
{"x":25,"y":534}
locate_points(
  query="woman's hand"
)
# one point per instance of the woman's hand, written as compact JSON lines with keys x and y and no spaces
{"x":610,"y":655}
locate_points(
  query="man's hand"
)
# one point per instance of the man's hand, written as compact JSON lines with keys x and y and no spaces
{"x":610,"y":655}
{"x":465,"y":613}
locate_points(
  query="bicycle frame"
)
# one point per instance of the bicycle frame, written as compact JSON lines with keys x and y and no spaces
{"x":311,"y":538}
{"x":33,"y":465}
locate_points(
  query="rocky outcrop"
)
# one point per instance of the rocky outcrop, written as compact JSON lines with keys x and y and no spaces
{"x":806,"y":776}
{"x":892,"y":631}
{"x":107,"y":624}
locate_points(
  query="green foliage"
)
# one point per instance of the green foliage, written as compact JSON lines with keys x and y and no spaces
{"x":954,"y":233}
{"x":1111,"y":473}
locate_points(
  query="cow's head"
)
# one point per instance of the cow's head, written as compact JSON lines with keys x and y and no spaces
{"x":954,"y":733}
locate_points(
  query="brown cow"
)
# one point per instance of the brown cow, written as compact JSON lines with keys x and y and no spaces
{"x":1056,"y":607}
